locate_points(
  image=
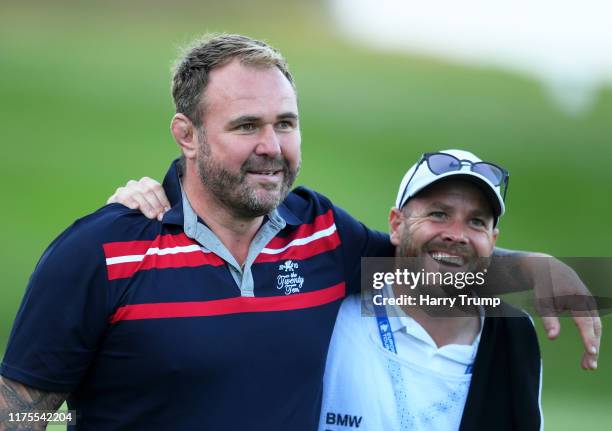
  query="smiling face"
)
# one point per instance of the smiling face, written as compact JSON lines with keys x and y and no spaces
{"x":249,"y":152}
{"x":449,"y":225}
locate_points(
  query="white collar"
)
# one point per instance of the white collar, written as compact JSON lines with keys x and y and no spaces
{"x":402,"y":323}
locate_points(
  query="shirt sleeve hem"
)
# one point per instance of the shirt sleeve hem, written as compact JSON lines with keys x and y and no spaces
{"x":34,"y":381}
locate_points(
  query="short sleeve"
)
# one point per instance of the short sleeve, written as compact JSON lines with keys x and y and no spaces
{"x":63,"y":315}
{"x":359,"y":241}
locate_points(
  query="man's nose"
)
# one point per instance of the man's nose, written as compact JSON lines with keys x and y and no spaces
{"x":269,"y":142}
{"x":455,"y":231}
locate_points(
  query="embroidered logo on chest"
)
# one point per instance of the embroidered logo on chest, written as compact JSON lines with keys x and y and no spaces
{"x":288,"y":278}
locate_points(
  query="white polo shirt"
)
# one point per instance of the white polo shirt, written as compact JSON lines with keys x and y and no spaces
{"x":366,"y":387}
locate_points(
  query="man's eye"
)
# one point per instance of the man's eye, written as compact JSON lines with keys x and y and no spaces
{"x":478,"y":222}
{"x":284,"y":125}
{"x":246,"y":127}
{"x":437,"y":215}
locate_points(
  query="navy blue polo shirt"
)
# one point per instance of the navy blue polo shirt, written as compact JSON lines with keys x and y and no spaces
{"x":152,"y":325}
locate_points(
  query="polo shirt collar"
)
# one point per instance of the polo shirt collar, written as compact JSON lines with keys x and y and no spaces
{"x":400,"y":321}
{"x":288,"y":215}
{"x":172,"y":187}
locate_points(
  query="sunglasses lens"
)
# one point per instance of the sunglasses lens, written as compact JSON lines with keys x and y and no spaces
{"x":489,"y":171}
{"x":441,"y":163}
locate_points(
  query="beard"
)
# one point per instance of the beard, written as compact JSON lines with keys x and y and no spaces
{"x":233,"y":190}
{"x":473,"y":263}
{"x":419,"y":260}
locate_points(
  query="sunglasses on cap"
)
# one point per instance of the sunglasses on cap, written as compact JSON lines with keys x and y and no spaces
{"x":441,"y":163}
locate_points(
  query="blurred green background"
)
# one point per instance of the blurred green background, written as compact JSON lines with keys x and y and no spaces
{"x":85,"y":105}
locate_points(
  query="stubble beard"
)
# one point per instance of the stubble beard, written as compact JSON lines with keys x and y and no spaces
{"x":234,"y":192}
{"x":406,"y":248}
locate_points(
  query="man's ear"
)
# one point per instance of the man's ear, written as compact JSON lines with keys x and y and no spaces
{"x":395,"y":222}
{"x":185,"y":135}
{"x":494,"y":236}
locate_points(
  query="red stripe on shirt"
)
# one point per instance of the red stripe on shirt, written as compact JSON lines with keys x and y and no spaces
{"x":300,"y":252}
{"x":241,"y":304}
{"x":198,"y":258}
{"x":303,"y":231}
{"x":129,"y":248}
{"x":178,"y":260}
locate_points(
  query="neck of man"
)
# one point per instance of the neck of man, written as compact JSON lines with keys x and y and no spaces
{"x":444,"y":324}
{"x":235,"y":232}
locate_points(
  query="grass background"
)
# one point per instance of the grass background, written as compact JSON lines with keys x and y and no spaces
{"x":85,"y":105}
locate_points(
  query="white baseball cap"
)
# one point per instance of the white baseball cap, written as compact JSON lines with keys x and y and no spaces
{"x":466,"y":165}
